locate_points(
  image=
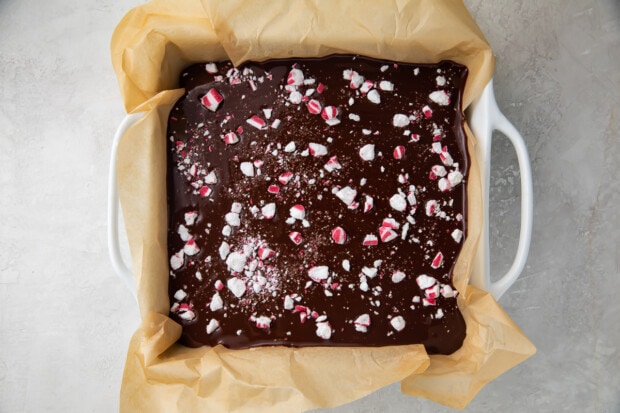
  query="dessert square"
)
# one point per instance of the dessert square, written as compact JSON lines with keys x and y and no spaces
{"x":317,"y":202}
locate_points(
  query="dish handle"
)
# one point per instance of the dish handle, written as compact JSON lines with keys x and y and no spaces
{"x":122,"y":269}
{"x":486,"y":117}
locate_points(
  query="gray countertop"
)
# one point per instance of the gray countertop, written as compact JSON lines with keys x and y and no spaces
{"x":65,"y":319}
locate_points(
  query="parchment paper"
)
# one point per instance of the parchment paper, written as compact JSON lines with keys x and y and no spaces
{"x":149,"y":48}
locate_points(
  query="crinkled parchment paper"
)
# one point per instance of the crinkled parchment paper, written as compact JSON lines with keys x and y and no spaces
{"x":149,"y":48}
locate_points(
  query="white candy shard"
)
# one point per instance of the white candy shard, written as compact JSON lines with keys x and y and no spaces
{"x":290,"y":147}
{"x":190,"y":218}
{"x":370,"y":272}
{"x":236,"y":207}
{"x":295,"y":97}
{"x":455,"y":178}
{"x":212,"y":326}
{"x":211,"y":68}
{"x":289,"y":303}
{"x":236,"y":286}
{"x":247,"y":168}
{"x":386,"y":85}
{"x":374,"y":96}
{"x":232,"y":219}
{"x":457,"y":235}
{"x":398,"y":323}
{"x":316,"y":149}
{"x":398,"y":276}
{"x":318,"y":273}
{"x":367,"y":152}
{"x":398,"y":202}
{"x":346,"y":265}
{"x":400,"y":121}
{"x":268,"y":210}
{"x":224,"y":250}
{"x":184,"y":233}
{"x":424,"y":281}
{"x":180,"y":295}
{"x":440,"y":97}
{"x":216,"y":302}
{"x":324,"y":330}
{"x":347,"y":195}
{"x":236,"y":261}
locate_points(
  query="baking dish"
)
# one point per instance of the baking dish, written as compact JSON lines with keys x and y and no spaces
{"x":483,"y":117}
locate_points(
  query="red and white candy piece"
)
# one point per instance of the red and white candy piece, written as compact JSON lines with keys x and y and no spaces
{"x":295,"y":77}
{"x":295,"y":237}
{"x":314,"y":106}
{"x":316,"y":149}
{"x":387,"y":234}
{"x":230,"y":138}
{"x":298,"y":212}
{"x":369,"y":203}
{"x":263,"y":322}
{"x":265,"y":252}
{"x":445,"y":157}
{"x":427,"y":111}
{"x":370,"y":240}
{"x":268,"y":211}
{"x":339,"y":236}
{"x":205,"y":191}
{"x":285,"y":177}
{"x":362,"y":323}
{"x":273,"y":189}
{"x":318,"y":273}
{"x":190,"y":217}
{"x":332,"y":164}
{"x":330,"y":114}
{"x":437,"y":261}
{"x":444,"y":185}
{"x":324,"y":330}
{"x":257,"y":122}
{"x":430,"y":207}
{"x":191,"y":248}
{"x":399,"y":152}
{"x":367,"y":152}
{"x":177,"y":260}
{"x":211,"y":100}
{"x":390,"y":223}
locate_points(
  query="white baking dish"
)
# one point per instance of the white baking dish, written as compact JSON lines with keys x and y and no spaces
{"x":483,"y":117}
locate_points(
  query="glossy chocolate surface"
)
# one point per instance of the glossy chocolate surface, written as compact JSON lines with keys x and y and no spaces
{"x":233,"y":263}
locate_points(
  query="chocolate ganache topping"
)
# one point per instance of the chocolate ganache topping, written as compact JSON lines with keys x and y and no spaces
{"x":317,"y":202}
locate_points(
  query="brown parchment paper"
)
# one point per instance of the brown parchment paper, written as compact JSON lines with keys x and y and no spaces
{"x":149,"y":48}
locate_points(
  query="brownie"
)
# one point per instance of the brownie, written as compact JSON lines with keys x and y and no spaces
{"x":317,"y":202}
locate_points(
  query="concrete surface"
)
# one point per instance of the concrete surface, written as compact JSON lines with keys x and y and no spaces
{"x":65,"y":320}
